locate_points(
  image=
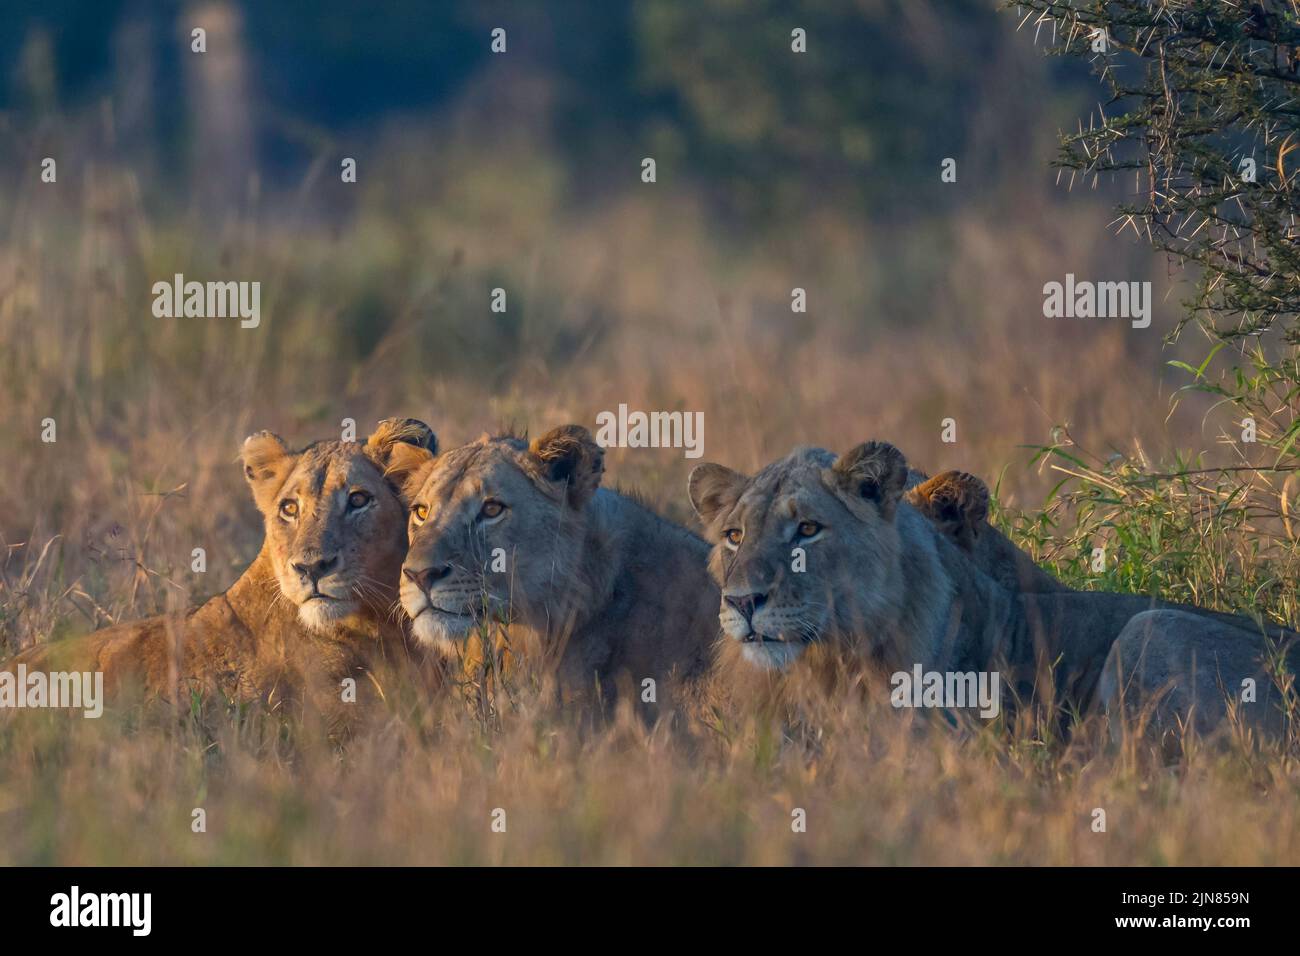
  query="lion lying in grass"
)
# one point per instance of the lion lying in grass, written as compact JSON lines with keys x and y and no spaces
{"x":823,"y":550}
{"x":819,"y":549}
{"x":831,"y":551}
{"x":957,"y":504}
{"x":317,"y":604}
{"x":518,"y":540}
{"x":1169,"y":666}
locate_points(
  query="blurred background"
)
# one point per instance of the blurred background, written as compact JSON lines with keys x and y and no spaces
{"x":522,"y":170}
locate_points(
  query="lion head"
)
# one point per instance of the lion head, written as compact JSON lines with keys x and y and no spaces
{"x":497,"y":531}
{"x":335,"y":523}
{"x":957,"y":504}
{"x":808,"y":549}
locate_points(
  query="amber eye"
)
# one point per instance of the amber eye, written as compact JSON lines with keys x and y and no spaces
{"x":734,"y":536}
{"x":492,"y":508}
{"x":808,"y":529}
{"x":420,"y":513}
{"x":359,"y":499}
{"x":289,"y":508}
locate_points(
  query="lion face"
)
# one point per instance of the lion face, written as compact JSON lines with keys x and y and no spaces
{"x":497,"y":532}
{"x":806,"y":550}
{"x":335,"y":525}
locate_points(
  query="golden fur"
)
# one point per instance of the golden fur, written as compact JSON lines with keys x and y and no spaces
{"x":316,"y":605}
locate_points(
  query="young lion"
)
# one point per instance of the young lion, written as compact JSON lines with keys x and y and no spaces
{"x":506,"y":531}
{"x":957,"y":504}
{"x":816,"y":549}
{"x":317,"y":603}
{"x":1172,"y":664}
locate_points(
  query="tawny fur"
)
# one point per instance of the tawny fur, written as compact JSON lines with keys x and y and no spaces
{"x":880,"y":582}
{"x":957,"y":503}
{"x":595,"y":587}
{"x":266,"y":637}
{"x":1162,"y":664}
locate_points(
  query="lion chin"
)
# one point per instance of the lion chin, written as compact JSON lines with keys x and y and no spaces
{"x":441,"y":631}
{"x":771,"y":655}
{"x":324,"y":614}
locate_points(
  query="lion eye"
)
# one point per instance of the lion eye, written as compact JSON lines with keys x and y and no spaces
{"x":359,"y":499}
{"x":492,"y":508}
{"x":289,"y":508}
{"x":420,"y":513}
{"x":808,"y":529}
{"x":734,"y":536}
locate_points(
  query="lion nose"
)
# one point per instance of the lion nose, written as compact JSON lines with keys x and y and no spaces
{"x":746,"y":604}
{"x":425,"y":578}
{"x":315,"y":570}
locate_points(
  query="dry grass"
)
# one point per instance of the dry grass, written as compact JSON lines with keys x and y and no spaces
{"x":420,"y":787}
{"x":387,"y":314}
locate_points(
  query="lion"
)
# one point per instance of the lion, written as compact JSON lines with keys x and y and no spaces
{"x":1169,"y":671}
{"x":957,"y":503}
{"x":825,"y":550}
{"x":519,"y":535}
{"x":817,"y":548}
{"x":1172,"y":666}
{"x":317,"y":604}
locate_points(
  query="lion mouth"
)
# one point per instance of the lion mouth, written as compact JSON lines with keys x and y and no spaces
{"x":441,"y":629}
{"x":445,"y":612}
{"x":321,"y":612}
{"x":316,"y":594}
{"x":757,"y":637}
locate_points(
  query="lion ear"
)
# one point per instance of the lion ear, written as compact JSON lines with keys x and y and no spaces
{"x":392,"y":432}
{"x":267,"y":461}
{"x":714,"y":489}
{"x":570,"y":455}
{"x":401,"y":447}
{"x":956,"y":503}
{"x":405,"y":466}
{"x":874,"y":471}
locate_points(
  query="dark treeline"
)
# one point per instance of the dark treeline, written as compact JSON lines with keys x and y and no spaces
{"x":885,"y":91}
